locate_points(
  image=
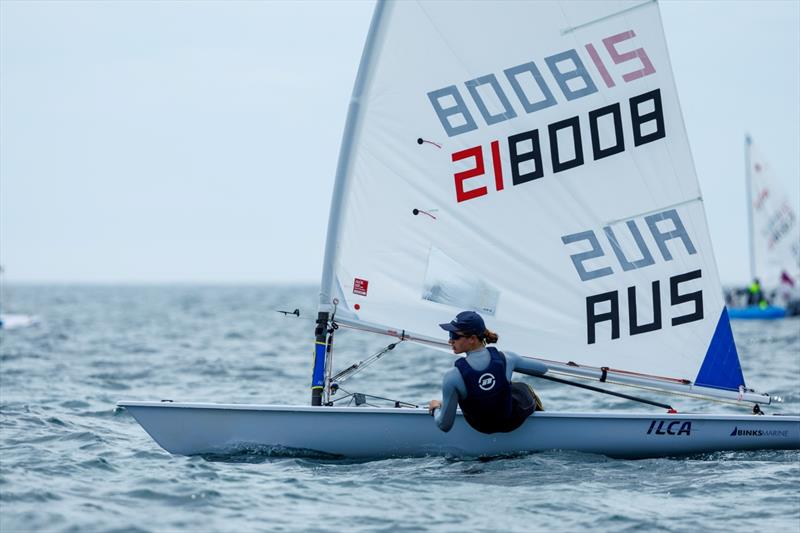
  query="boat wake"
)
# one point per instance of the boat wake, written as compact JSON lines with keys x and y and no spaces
{"x":257,"y":453}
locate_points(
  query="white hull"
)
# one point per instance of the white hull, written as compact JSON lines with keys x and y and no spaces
{"x":196,"y":428}
{"x":17,"y":321}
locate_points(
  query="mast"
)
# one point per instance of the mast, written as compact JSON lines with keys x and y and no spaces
{"x":749,"y":196}
{"x":323,"y":342}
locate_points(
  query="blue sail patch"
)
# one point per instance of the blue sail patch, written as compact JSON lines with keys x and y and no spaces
{"x":721,"y":368}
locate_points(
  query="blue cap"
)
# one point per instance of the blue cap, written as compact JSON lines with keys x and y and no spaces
{"x":466,"y":322}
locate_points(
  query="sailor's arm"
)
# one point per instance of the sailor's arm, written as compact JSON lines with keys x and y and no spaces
{"x":446,"y":414}
{"x":523,"y":365}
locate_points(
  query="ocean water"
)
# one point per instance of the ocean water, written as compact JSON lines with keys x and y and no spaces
{"x":71,"y":461}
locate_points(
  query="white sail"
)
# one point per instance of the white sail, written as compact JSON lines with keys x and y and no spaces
{"x":775,"y":245}
{"x":528,"y":161}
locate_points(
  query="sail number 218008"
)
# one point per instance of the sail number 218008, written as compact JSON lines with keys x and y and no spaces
{"x":525,"y":153}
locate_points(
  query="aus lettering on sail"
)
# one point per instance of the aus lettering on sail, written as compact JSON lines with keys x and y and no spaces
{"x":531,"y":92}
{"x":591,"y":262}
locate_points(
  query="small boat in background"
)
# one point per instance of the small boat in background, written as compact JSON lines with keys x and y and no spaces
{"x":768,"y":312}
{"x":10,"y":321}
{"x":774,"y":237}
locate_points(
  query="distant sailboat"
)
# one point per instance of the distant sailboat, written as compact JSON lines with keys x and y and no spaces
{"x":12,"y":321}
{"x":774,"y":246}
{"x":9,"y":320}
{"x":527,"y":160}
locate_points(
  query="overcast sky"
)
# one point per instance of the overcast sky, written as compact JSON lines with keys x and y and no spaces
{"x":197,"y":141}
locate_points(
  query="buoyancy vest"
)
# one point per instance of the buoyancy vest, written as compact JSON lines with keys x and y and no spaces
{"x":490,"y":406}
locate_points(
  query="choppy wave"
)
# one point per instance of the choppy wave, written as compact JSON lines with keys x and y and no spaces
{"x":70,"y":461}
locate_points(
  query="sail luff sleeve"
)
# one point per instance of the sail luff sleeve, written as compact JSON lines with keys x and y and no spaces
{"x":345,"y":161}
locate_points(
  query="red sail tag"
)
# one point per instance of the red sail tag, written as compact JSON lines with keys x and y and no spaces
{"x":360,"y":286}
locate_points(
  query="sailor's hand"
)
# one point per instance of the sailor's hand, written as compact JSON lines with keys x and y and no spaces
{"x":434,"y":404}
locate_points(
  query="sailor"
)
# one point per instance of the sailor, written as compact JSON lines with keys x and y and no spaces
{"x":481,"y":382}
{"x":756,"y":296}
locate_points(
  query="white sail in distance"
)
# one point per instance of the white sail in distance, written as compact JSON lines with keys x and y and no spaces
{"x":528,"y":160}
{"x":775,"y":229}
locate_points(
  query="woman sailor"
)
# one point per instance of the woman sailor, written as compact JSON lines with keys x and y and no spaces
{"x":481,"y":382}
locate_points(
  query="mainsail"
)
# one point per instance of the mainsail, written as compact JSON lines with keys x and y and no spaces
{"x":774,"y":231}
{"x":528,"y":160}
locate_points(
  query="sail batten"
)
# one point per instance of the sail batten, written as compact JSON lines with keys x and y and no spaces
{"x":606,"y":17}
{"x":659,"y":210}
{"x":542,"y":179}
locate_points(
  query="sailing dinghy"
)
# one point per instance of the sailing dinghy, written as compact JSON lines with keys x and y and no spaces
{"x":774,"y":238}
{"x":12,"y":321}
{"x":529,"y":161}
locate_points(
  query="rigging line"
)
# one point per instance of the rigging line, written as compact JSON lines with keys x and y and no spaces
{"x":622,"y":372}
{"x":654,"y":389}
{"x":606,"y":391}
{"x":416,"y":211}
{"x":693,"y":396}
{"x":606,"y":17}
{"x":420,"y":140}
{"x":355,"y":368}
{"x":378,"y":398}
